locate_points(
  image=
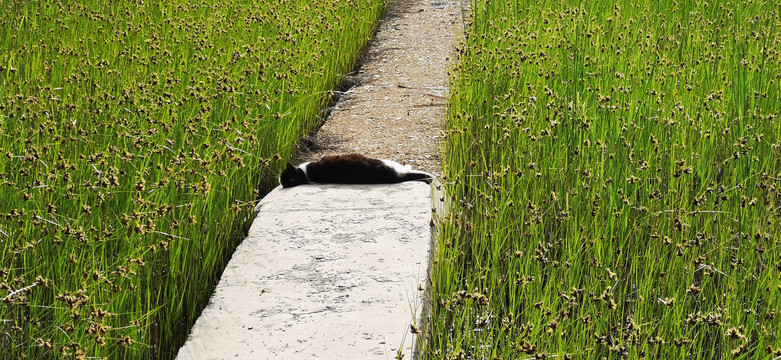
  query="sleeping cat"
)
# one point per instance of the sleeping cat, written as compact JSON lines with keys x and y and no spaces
{"x":350,"y":169}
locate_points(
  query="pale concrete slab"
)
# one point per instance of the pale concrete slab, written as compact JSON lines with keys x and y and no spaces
{"x":327,"y":272}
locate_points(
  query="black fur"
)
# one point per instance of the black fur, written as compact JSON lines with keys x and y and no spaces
{"x":348,"y":169}
{"x":292,"y":176}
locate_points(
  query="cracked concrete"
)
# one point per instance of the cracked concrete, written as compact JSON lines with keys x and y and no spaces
{"x":327,"y":272}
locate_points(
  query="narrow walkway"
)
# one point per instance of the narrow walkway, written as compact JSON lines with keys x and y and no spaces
{"x":327,"y":272}
{"x":397,"y":107}
{"x":336,"y":271}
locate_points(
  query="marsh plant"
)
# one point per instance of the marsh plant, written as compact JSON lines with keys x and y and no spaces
{"x":614,"y":171}
{"x":135,"y":137}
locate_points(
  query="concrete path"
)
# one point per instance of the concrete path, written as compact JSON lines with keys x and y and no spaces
{"x":338,"y":272}
{"x":327,"y":272}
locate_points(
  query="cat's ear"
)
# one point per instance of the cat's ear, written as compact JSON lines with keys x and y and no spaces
{"x":289,"y":167}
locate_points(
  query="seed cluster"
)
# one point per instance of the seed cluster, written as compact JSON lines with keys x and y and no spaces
{"x":614,"y":175}
{"x":135,"y":137}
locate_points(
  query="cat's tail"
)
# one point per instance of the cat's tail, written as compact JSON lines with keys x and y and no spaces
{"x":417,"y":175}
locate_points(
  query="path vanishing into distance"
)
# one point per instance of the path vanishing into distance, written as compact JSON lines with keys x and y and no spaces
{"x":337,"y":271}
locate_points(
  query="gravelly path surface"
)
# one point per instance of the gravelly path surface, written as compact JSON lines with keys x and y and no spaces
{"x":397,"y":108}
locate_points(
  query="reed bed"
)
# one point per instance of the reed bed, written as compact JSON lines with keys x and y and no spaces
{"x":135,"y":138}
{"x":614,"y":175}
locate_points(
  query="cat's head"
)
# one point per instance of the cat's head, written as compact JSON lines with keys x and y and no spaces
{"x":292,"y":176}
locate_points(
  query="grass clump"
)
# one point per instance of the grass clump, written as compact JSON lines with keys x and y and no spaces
{"x":614,"y":171}
{"x":135,"y":137}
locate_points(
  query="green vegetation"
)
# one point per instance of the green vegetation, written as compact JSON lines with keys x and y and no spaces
{"x":614,"y":174}
{"x":135,"y":137}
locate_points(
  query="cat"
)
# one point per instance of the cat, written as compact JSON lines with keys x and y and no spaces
{"x":350,"y":169}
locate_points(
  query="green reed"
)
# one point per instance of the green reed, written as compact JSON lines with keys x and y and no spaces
{"x":135,"y":138}
{"x":614,"y":175}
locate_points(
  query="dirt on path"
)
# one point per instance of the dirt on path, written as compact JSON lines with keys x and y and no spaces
{"x":396,"y":108}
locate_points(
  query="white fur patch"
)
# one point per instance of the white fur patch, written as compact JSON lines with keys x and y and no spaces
{"x":400,"y":169}
{"x":302,"y":166}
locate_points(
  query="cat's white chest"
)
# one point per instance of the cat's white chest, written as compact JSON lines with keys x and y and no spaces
{"x":302,"y":166}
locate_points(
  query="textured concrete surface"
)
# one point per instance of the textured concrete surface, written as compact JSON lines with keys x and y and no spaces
{"x":327,"y":272}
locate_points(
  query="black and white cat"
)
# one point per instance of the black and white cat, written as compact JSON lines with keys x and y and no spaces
{"x":350,"y":169}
